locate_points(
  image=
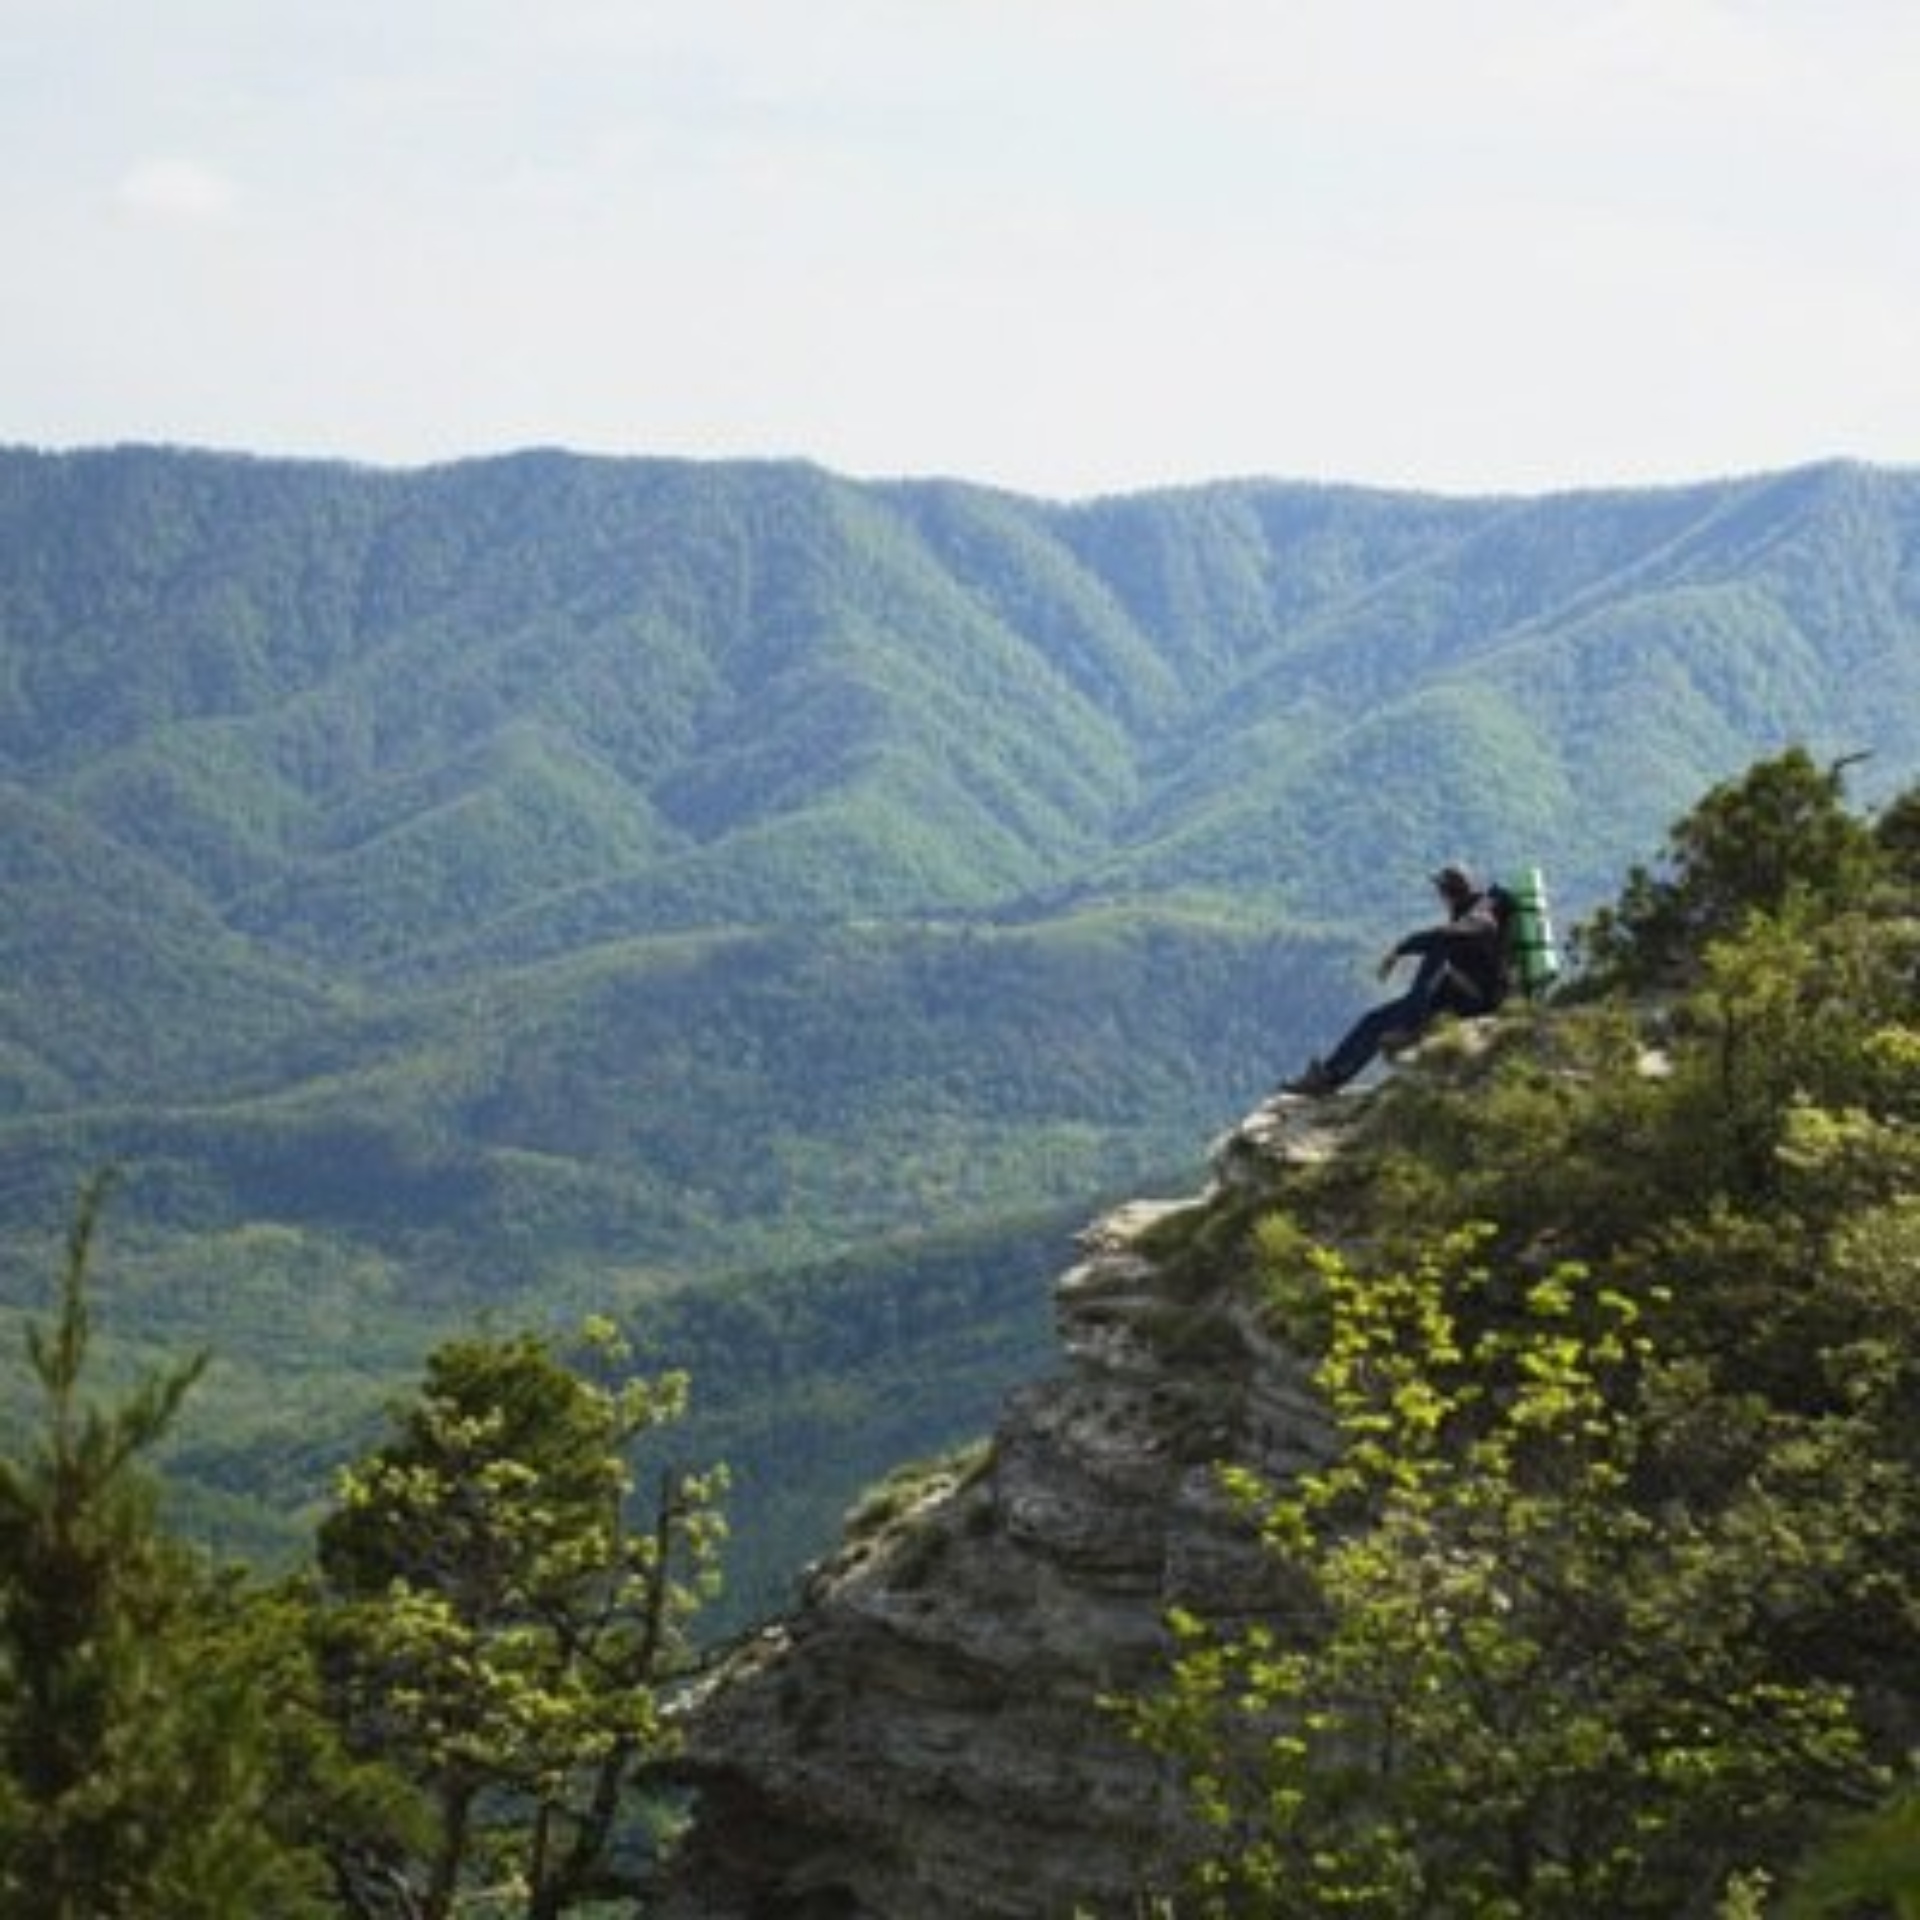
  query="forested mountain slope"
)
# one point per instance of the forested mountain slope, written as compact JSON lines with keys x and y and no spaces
{"x":546,"y":879}
{"x":401,"y":723}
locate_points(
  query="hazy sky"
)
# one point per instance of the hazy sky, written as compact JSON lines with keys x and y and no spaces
{"x":1068,"y":246}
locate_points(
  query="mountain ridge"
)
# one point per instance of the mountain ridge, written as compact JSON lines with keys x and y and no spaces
{"x":512,"y":840}
{"x":1143,"y":647}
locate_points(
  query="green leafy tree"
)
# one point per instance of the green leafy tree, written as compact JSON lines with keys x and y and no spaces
{"x":1781,"y":831}
{"x":135,"y":1775}
{"x":1501,"y":1686}
{"x":496,"y":1628}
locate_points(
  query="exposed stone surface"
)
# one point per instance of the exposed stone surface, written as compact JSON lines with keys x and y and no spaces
{"x":923,"y":1739}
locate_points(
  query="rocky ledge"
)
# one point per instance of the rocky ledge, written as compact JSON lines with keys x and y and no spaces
{"x":924,"y":1738}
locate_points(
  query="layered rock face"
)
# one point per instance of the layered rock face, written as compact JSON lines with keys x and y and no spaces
{"x":924,"y":1739}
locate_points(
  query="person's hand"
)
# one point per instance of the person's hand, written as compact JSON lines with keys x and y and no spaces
{"x":1389,"y":963}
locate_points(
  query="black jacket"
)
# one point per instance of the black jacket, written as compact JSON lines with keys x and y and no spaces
{"x":1474,"y":944}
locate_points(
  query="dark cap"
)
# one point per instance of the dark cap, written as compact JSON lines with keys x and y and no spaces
{"x":1452,"y":880}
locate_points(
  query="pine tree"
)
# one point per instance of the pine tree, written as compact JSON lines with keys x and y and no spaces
{"x":132,"y":1773}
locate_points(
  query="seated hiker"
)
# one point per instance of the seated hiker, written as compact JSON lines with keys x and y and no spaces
{"x":1462,"y":971}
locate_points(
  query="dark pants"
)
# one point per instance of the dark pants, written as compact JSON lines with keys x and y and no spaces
{"x":1435,"y":991}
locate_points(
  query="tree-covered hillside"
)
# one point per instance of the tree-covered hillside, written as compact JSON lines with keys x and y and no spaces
{"x":551,"y":879}
{"x":1578,"y":1583}
{"x":411,"y":724}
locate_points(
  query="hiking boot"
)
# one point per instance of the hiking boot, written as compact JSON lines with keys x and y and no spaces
{"x":1315,"y":1083}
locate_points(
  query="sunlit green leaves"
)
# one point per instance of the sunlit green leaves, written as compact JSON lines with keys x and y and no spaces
{"x":502,"y":1600}
{"x":1603,"y":1603}
{"x":1509,"y":1688}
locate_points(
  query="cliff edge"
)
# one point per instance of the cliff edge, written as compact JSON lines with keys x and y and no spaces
{"x":923,"y":1738}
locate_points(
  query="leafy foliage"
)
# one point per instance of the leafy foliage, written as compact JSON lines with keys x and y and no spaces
{"x":1870,"y":1864}
{"x":459,"y":1707}
{"x":1603,"y":1604}
{"x":1529,"y":1696}
{"x":1780,"y":833}
{"x":495,"y":1628}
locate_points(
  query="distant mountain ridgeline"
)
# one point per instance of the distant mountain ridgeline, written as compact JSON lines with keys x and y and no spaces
{"x":421,"y":724}
{"x":536,"y":881}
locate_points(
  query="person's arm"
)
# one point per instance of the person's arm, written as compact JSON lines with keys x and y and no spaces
{"x":1473,"y":927}
{"x":1406,"y":949}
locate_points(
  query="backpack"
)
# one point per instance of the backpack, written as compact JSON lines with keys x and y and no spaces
{"x":1529,"y":958}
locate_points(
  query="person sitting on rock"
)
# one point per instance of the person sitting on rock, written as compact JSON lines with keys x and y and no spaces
{"x":1462,"y":971}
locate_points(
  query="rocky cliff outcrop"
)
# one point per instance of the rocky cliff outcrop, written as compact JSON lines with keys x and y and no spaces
{"x":923,"y":1739}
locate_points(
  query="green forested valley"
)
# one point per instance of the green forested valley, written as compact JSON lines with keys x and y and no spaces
{"x":1594,"y":1599}
{"x":771,"y":909}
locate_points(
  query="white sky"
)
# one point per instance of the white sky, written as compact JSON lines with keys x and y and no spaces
{"x":1069,"y":246}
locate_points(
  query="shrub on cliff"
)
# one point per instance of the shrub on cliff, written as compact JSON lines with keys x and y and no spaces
{"x":1603,"y":1606}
